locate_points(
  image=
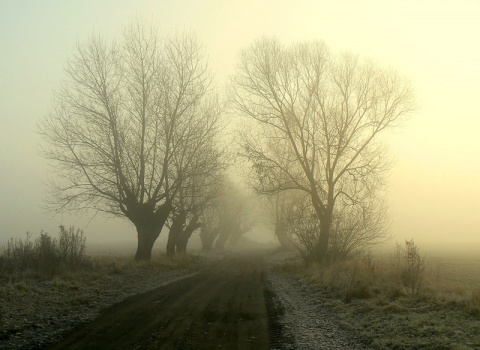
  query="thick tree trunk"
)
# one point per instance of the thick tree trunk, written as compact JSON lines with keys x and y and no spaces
{"x":175,"y":234}
{"x":149,"y":225}
{"x":171,"y":243}
{"x":186,"y":234}
{"x":222,"y":239}
{"x":224,"y":230}
{"x":146,"y":238}
{"x":325,"y":215}
{"x":182,"y":246}
{"x":321,"y":248}
{"x":208,"y":236}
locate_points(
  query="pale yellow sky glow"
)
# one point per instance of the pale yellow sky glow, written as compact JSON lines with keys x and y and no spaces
{"x":434,"y":186}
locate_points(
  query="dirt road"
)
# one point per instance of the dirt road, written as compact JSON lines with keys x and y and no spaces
{"x":222,"y":307}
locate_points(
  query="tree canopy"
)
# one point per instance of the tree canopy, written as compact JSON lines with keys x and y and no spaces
{"x":134,"y":121}
{"x":315,"y":120}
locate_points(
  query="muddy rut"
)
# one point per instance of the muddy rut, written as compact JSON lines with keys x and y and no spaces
{"x":222,"y":307}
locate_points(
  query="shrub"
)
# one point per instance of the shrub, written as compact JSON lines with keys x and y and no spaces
{"x":45,"y":256}
{"x":352,"y":231}
{"x":410,"y":267}
{"x":72,"y":246}
{"x":18,"y":255}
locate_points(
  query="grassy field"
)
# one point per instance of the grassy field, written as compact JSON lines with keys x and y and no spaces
{"x":374,"y":297}
{"x":461,"y":269}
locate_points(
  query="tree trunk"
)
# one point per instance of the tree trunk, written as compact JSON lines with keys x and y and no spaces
{"x":208,"y":236}
{"x":186,"y":234}
{"x":321,"y":248}
{"x":175,"y":234}
{"x":325,"y":215}
{"x":171,"y":243}
{"x":149,"y":225}
{"x":222,"y":239}
{"x":146,"y":238}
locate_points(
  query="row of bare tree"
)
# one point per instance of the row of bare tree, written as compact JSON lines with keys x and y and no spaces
{"x":136,"y":131}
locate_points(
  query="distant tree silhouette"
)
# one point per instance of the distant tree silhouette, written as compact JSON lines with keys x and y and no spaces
{"x":226,"y":217}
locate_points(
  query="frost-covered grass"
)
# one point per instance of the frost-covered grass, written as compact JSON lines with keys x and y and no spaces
{"x":37,"y":311}
{"x":373,"y":297}
{"x":49,"y":284}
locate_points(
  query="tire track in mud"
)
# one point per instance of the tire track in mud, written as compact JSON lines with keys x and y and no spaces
{"x":280,"y":337}
{"x":223,"y":307}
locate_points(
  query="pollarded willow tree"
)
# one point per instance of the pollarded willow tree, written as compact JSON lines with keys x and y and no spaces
{"x":330,"y":111}
{"x":202,"y":166}
{"x":121,"y":119}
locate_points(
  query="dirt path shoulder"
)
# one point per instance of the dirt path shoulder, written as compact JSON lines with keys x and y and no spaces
{"x":305,"y":323}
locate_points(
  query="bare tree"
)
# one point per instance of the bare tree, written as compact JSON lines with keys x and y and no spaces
{"x":330,"y":110}
{"x":120,"y":119}
{"x":198,"y":190}
{"x":234,"y":215}
{"x":226,"y":217}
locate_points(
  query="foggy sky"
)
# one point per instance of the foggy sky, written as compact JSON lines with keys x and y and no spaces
{"x":435,"y":183}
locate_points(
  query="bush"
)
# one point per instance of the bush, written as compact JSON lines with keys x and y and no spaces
{"x":46,"y":256}
{"x":410,"y":267}
{"x":72,"y":246}
{"x":353,"y":230}
{"x":18,"y":255}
